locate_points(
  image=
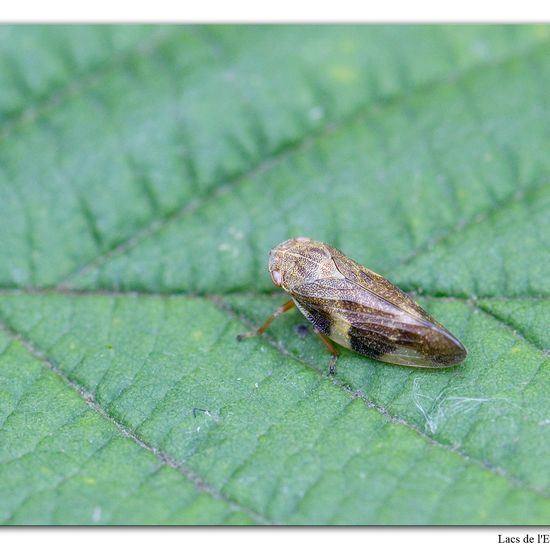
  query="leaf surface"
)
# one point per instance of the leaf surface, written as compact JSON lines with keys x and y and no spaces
{"x":146,"y":173}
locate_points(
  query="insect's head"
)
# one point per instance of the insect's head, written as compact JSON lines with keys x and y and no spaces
{"x":294,"y":261}
{"x":279,"y":261}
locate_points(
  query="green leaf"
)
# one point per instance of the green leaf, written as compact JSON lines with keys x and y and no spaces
{"x":145,"y":174}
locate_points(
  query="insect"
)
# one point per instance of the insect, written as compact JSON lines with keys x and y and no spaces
{"x":357,"y":308}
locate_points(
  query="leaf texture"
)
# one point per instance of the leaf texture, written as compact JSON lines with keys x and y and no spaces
{"x":145,"y":174}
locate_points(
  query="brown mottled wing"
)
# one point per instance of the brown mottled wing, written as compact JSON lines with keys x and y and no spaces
{"x":372,"y":282}
{"x":364,"y":312}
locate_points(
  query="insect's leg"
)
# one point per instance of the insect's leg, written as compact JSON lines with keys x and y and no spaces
{"x":330,"y":346}
{"x":279,"y":311}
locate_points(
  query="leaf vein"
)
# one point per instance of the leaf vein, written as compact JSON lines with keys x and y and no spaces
{"x":358,"y":394}
{"x":200,"y":484}
{"x":53,"y":98}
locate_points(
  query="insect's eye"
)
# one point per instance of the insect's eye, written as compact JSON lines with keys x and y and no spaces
{"x":277,"y":277}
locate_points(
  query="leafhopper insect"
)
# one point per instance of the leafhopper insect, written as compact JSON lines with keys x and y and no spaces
{"x":357,"y":308}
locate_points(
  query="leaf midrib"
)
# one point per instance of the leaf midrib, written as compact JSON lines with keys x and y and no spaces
{"x":473,"y":301}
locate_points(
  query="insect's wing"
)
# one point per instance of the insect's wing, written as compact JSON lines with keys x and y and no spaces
{"x":364,"y":312}
{"x":378,"y":285}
